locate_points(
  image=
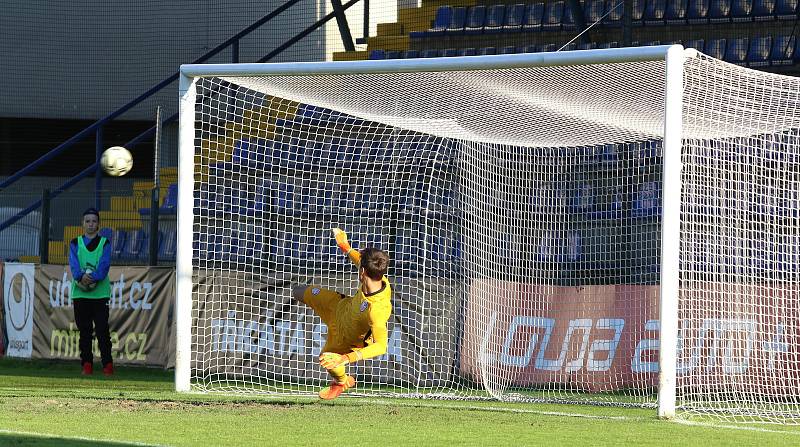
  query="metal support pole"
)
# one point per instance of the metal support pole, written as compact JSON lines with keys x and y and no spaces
{"x":44,"y":229}
{"x":580,"y":21}
{"x":365,"y":33}
{"x":154,"y":197}
{"x":235,"y":52}
{"x":98,"y":175}
{"x":670,"y":233}
{"x":344,"y":28}
{"x":627,"y":21}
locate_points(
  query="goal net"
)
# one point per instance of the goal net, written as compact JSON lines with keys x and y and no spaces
{"x":536,"y":218}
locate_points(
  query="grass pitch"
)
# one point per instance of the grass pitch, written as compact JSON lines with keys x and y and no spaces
{"x":50,"y":404}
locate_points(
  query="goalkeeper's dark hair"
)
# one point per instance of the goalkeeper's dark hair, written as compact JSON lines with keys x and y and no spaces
{"x":375,"y":262}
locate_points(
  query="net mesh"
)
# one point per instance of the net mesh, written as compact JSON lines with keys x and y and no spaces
{"x":738,"y":309}
{"x":521,"y":209}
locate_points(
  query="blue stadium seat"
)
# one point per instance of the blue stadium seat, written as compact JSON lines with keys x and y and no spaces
{"x":534,"y":15}
{"x":786,"y":9}
{"x":293,"y":249}
{"x":568,"y":21}
{"x":288,"y":154}
{"x":457,"y":21}
{"x":648,"y":152}
{"x":118,"y":240}
{"x":572,"y":247}
{"x":431,"y":52}
{"x":476,"y":18}
{"x":697,"y":12}
{"x":765,"y":201}
{"x":591,"y":203}
{"x":168,"y":248}
{"x":253,"y":153}
{"x":443,"y":249}
{"x":553,"y":16}
{"x":377,"y":54}
{"x":170,"y":204}
{"x":647,"y":200}
{"x":654,"y":12}
{"x":440,"y":23}
{"x":741,"y":10}
{"x":547,"y":247}
{"x":650,"y":43}
{"x":392,"y":54}
{"x":450,"y":52}
{"x":593,"y":10}
{"x":719,"y":11}
{"x":410,"y":54}
{"x":347,"y":151}
{"x":763,"y":10}
{"x":406,"y":247}
{"x":546,"y":48}
{"x":638,"y":12}
{"x":613,"y":14}
{"x":487,"y":51}
{"x":467,"y":52}
{"x":697,"y":44}
{"x":516,"y":17}
{"x":777,"y":257}
{"x":569,"y":47}
{"x":715,"y":48}
{"x":586,"y":46}
{"x":282,"y":198}
{"x":508,"y":49}
{"x":137,"y":245}
{"x":758,"y":51}
{"x":675,"y":13}
{"x":783,"y":49}
{"x":606,"y":45}
{"x":210,"y":247}
{"x":606,"y":153}
{"x":495,"y":18}
{"x":531,"y":49}
{"x":736,"y":51}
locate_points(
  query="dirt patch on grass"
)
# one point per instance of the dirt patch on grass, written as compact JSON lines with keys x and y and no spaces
{"x":125,"y":405}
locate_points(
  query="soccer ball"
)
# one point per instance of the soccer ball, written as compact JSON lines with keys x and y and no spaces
{"x":116,"y":161}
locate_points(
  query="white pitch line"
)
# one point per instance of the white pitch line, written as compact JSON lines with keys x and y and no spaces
{"x":507,"y":410}
{"x":588,"y":416}
{"x":735,"y":427}
{"x":80,"y":438}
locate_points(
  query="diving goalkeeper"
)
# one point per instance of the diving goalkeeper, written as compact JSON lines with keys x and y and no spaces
{"x":356,"y":324}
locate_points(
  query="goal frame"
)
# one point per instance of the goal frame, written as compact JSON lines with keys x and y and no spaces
{"x":673,"y":55}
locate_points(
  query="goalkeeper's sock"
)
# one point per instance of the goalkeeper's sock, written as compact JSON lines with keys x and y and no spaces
{"x":339,"y":375}
{"x":335,"y":388}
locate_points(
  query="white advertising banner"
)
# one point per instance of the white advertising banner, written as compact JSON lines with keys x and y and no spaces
{"x":18,"y":287}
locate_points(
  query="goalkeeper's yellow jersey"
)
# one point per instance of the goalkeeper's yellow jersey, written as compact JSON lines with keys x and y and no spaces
{"x":361,"y":322}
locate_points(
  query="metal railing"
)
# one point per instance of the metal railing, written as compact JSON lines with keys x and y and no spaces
{"x":97,"y":127}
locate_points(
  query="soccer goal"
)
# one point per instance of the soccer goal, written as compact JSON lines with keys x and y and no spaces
{"x":619,"y":227}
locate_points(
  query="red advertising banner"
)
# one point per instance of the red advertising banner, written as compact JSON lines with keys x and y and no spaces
{"x":606,"y":338}
{"x":541,"y":334}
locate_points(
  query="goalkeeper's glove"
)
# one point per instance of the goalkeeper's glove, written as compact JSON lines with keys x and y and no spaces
{"x":341,"y":240}
{"x":331,"y":360}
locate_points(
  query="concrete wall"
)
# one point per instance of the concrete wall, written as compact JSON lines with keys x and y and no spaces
{"x":82,"y":60}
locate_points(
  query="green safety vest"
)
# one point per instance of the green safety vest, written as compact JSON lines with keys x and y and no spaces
{"x":90,"y":260}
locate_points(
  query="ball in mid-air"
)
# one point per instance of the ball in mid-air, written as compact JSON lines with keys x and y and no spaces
{"x":116,"y":161}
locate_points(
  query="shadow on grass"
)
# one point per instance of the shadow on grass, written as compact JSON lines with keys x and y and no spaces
{"x":19,"y":440}
{"x":59,"y":369}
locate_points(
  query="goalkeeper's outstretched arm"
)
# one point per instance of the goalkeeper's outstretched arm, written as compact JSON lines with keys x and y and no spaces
{"x":344,"y":245}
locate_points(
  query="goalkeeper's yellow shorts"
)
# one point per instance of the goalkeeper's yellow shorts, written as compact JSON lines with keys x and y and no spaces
{"x":324,"y":303}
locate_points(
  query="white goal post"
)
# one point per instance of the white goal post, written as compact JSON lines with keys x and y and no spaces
{"x":616,"y":226}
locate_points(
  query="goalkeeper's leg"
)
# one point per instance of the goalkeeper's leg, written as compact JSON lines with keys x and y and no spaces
{"x":340,"y":383}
